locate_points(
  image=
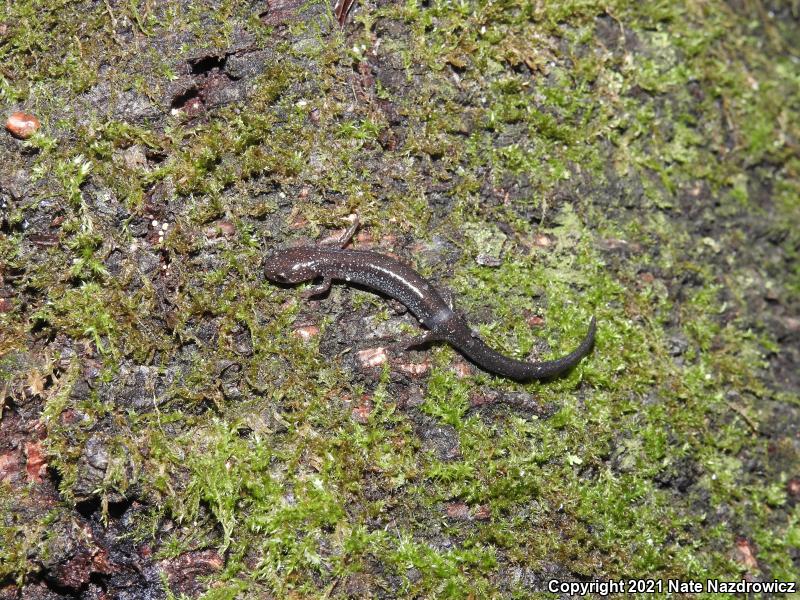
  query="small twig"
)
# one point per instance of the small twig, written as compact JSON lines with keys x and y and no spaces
{"x":341,"y":9}
{"x":740,"y":411}
{"x":3,"y":395}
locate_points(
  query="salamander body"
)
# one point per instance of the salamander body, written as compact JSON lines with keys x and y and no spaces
{"x":388,"y":276}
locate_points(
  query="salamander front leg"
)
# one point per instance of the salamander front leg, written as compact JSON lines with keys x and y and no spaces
{"x":318,"y":289}
{"x":350,"y":232}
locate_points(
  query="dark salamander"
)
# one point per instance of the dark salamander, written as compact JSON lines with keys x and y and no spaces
{"x":392,"y":278}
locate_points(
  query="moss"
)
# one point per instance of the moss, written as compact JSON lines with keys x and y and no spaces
{"x":621,"y":160}
{"x":19,"y":536}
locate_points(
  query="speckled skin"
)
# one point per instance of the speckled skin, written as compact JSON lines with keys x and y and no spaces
{"x":388,"y":276}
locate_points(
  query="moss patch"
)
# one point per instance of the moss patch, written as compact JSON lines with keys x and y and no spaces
{"x":636,"y":163}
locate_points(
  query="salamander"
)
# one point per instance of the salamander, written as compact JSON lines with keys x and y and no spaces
{"x":388,"y":276}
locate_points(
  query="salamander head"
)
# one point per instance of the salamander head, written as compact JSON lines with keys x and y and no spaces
{"x":291,"y":265}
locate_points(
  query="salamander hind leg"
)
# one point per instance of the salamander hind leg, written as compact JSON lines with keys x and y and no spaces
{"x":421,"y":340}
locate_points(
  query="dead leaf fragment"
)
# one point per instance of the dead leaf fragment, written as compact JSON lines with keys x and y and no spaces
{"x":744,"y":554}
{"x":36,"y":464}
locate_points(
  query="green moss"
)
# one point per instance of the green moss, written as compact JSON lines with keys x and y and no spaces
{"x":531,"y":133}
{"x":18,"y":535}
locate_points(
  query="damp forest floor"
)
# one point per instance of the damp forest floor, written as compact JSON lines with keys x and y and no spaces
{"x":173,"y":425}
